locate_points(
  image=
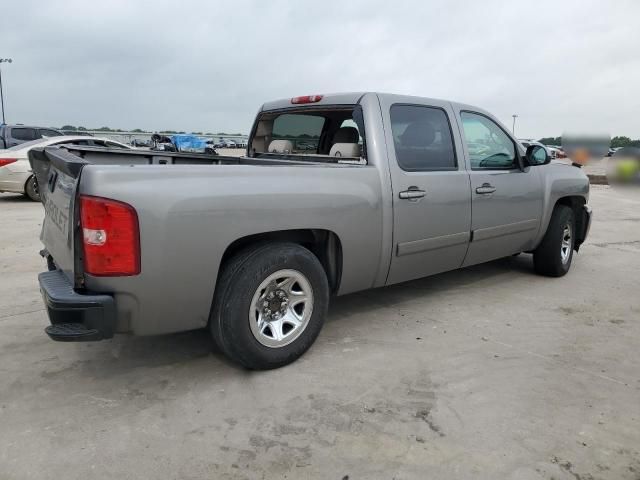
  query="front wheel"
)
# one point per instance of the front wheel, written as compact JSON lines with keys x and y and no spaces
{"x":31,"y":189}
{"x":554,"y":254}
{"x":270,"y":304}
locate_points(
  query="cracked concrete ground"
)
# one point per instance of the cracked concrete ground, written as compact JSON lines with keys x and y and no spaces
{"x":485,"y":373}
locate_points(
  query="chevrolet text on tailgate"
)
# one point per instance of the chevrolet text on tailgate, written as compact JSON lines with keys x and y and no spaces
{"x":336,"y":193}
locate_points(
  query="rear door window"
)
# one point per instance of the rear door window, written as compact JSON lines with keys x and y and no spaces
{"x":24,"y":133}
{"x":422,"y":138}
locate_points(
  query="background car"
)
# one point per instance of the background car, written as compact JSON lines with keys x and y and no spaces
{"x":15,"y":172}
{"x":12,"y":135}
{"x":525,"y":142}
{"x":224,"y":143}
{"x":136,"y":142}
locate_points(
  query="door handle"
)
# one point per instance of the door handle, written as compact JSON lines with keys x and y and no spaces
{"x":485,"y":189}
{"x":412,"y":194}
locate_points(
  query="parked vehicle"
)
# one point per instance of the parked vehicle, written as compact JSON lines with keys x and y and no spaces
{"x":253,"y":247}
{"x":136,"y":142}
{"x":556,"y":151}
{"x":526,"y":142}
{"x":15,"y":172}
{"x":12,"y":135}
{"x":241,"y":143}
{"x":224,"y":143}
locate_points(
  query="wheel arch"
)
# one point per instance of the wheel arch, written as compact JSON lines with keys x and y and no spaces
{"x":324,"y":244}
{"x":575,"y":203}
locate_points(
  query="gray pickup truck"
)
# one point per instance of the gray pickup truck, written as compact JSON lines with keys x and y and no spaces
{"x":336,"y":194}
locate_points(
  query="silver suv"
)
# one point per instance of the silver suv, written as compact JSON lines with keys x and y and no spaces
{"x":12,"y":135}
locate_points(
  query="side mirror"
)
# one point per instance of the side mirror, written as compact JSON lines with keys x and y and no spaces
{"x":537,"y":155}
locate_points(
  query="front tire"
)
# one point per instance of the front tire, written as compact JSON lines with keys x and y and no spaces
{"x":270,"y":304}
{"x":553,"y":256}
{"x":31,"y":189}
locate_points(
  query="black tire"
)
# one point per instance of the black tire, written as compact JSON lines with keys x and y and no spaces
{"x":31,"y":189}
{"x":548,"y":258}
{"x":241,"y":277}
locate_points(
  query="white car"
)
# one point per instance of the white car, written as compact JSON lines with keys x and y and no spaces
{"x":525,"y":142}
{"x":15,"y":171}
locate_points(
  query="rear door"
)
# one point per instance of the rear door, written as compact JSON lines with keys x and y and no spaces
{"x":430,"y":186}
{"x":506,"y":199}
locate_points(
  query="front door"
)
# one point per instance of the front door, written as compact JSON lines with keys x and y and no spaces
{"x":506,"y":201}
{"x":431,"y":195}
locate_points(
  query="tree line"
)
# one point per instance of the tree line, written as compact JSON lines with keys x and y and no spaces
{"x":616,"y":142}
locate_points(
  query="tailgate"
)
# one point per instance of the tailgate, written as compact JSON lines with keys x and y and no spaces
{"x":58,"y":173}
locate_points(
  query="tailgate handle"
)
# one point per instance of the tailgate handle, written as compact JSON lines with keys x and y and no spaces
{"x":53,"y":176}
{"x":413,"y":193}
{"x":485,"y":189}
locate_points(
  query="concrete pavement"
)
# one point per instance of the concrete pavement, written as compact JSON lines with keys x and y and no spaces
{"x":490,"y":372}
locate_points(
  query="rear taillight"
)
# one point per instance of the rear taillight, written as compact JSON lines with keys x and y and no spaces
{"x":306,"y":99}
{"x":110,"y":235}
{"x":7,"y":161}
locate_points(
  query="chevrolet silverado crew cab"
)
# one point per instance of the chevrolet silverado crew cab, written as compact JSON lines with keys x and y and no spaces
{"x":336,"y":194}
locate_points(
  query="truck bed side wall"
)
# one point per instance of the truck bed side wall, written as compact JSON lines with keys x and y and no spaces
{"x":189,"y":217}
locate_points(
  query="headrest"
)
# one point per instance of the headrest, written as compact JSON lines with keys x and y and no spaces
{"x":345,"y":150}
{"x":419,"y":134}
{"x":280,"y":146}
{"x":346,"y":135}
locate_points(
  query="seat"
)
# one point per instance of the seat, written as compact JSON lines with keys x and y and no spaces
{"x":346,"y":135}
{"x":345,"y":143}
{"x":281,"y":146}
{"x":345,"y":150}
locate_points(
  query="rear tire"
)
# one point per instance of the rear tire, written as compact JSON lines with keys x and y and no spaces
{"x":31,"y":189}
{"x":553,"y":256}
{"x":270,"y":304}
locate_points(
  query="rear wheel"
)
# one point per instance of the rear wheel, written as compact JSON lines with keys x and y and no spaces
{"x":554,"y":254}
{"x":270,"y":304}
{"x":31,"y":189}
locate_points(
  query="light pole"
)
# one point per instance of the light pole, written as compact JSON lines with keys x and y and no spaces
{"x":513,"y":128}
{"x":3,"y":60}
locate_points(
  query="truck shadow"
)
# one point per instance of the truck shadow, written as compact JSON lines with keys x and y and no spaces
{"x":196,"y":349}
{"x":395,"y":295}
{"x":14,"y":198}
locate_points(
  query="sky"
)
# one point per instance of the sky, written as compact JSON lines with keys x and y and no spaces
{"x":209,"y":65}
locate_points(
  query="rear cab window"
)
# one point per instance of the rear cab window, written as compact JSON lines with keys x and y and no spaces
{"x":315,"y":134}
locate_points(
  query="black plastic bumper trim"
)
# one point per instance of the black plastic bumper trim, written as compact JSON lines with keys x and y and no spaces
{"x":94,"y":312}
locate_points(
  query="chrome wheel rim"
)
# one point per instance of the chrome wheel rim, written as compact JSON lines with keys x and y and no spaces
{"x":281,"y":308}
{"x":565,"y":247}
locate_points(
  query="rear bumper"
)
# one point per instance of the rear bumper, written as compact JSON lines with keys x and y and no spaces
{"x":75,"y":317}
